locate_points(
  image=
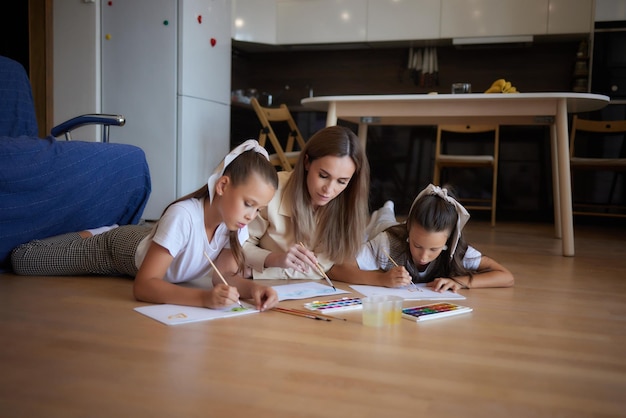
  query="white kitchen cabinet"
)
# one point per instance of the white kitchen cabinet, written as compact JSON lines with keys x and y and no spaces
{"x":287,"y":22}
{"x":610,"y":10}
{"x":481,"y":18}
{"x":254,"y":21}
{"x":321,"y":21}
{"x":166,"y":68}
{"x":570,"y":16}
{"x":393,"y":20}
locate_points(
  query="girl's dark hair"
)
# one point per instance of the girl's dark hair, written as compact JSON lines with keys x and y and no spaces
{"x":434,"y":214}
{"x":336,"y":229}
{"x":239,"y":170}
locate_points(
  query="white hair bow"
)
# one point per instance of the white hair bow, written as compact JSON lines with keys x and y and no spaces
{"x":463,"y":214}
{"x":250,"y":144}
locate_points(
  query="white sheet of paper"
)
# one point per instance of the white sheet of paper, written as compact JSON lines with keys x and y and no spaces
{"x":305,"y":290}
{"x":407,"y":292}
{"x":180,"y":314}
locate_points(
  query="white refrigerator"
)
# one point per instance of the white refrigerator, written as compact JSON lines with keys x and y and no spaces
{"x":166,"y":67}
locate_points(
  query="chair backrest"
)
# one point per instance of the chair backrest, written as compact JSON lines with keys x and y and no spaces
{"x":608,"y":138}
{"x":470,"y":146}
{"x":286,"y":151}
{"x":475,"y":131}
{"x":598,"y":147}
{"x":17,"y":110}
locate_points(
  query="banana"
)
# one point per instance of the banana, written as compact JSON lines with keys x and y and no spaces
{"x":501,"y":86}
{"x":497,"y":86}
{"x":499,"y":83}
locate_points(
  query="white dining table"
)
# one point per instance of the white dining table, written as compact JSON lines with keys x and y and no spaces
{"x":549,"y":109}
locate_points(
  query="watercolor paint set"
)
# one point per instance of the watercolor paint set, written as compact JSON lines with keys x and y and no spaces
{"x":433,"y":311}
{"x":335,"y":305}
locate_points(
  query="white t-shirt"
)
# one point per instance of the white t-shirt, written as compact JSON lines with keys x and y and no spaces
{"x":372,"y":252}
{"x":181,"y":231}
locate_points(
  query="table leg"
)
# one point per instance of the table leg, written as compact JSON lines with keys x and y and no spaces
{"x":331,"y":116}
{"x":555,"y":182}
{"x":565,"y":186}
{"x":362,"y":134}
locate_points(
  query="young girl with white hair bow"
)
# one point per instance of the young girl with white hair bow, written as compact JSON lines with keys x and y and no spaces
{"x":428,"y":248}
{"x":208,"y":223}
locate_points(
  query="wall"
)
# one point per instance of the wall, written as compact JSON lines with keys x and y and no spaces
{"x":541,"y":67}
{"x":14,"y":32}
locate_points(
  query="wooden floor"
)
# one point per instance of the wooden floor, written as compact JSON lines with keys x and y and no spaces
{"x":552,"y":346}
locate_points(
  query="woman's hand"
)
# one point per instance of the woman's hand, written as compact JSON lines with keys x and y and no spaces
{"x":220,"y":296}
{"x":264,"y":297}
{"x":297,"y":257}
{"x":397,"y":277}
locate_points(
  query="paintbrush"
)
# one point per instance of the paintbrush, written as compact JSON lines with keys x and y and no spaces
{"x":300,"y":313}
{"x":396,"y":264}
{"x":317,"y":313}
{"x":220,"y":274}
{"x":322,"y":272}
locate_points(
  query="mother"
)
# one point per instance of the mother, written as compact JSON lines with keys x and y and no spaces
{"x":318,"y":214}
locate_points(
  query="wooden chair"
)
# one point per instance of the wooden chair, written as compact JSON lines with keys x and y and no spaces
{"x":598,"y":146}
{"x":285,"y":153}
{"x":485,"y":138}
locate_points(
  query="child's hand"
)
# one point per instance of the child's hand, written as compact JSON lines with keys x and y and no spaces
{"x":221,"y":296}
{"x":442,"y":284}
{"x":264,"y":297}
{"x":397,"y":277}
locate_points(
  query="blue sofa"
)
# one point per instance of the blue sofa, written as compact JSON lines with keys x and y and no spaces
{"x":49,"y":187}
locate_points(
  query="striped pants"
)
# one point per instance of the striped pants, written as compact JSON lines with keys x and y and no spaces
{"x":109,"y":253}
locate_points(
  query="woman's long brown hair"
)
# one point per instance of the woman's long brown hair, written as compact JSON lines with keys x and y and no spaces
{"x":337,"y":229}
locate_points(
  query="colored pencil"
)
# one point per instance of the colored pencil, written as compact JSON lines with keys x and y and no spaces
{"x":219,"y":274}
{"x":323,"y":273}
